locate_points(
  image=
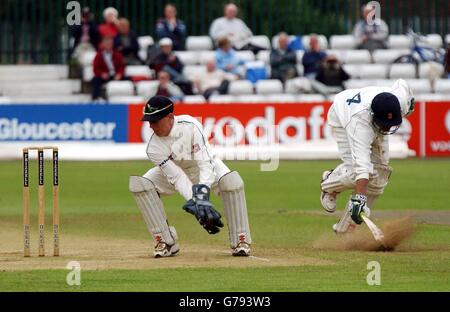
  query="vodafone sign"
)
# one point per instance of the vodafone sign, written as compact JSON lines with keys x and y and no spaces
{"x":253,"y":124}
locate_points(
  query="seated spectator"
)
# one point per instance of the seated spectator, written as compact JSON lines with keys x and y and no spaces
{"x":283,"y":61}
{"x":110,"y":26}
{"x":171,"y":27}
{"x":214,"y":80}
{"x":166,"y":60}
{"x":312,"y":58}
{"x":86,"y":36}
{"x":447,"y":62}
{"x":233,"y":28}
{"x":108,"y":65}
{"x":226,"y":57}
{"x":331,"y":73}
{"x":126,"y":43}
{"x":168,"y":88}
{"x":371,"y":33}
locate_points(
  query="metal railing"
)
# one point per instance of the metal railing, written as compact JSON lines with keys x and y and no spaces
{"x":35,"y":31}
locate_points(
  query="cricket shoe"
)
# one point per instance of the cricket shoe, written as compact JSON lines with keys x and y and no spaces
{"x":241,"y":250}
{"x":350,"y":228}
{"x":164,"y":250}
{"x":328,"y":200}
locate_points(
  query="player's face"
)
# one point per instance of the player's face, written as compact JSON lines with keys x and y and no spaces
{"x":163,"y":126}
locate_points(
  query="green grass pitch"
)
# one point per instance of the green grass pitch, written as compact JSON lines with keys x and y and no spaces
{"x":102,"y":229}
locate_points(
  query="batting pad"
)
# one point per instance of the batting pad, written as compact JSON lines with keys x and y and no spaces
{"x":341,"y":179}
{"x":152,"y":208}
{"x":232,"y":193}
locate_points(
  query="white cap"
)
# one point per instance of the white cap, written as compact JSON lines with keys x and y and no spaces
{"x":165,"y":41}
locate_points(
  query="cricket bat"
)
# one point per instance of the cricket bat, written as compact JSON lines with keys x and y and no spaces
{"x":376,"y":232}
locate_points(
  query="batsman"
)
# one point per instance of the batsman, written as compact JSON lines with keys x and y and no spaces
{"x":184,"y":163}
{"x":361,"y":121}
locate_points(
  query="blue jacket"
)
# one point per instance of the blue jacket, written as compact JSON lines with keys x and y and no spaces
{"x":177,"y":34}
{"x":224,"y":58}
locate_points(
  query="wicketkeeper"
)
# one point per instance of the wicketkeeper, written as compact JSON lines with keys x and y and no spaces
{"x":184,"y":163}
{"x":361,"y":120}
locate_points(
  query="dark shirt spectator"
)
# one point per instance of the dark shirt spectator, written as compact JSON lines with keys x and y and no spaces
{"x":167,"y":88}
{"x":171,"y":27}
{"x":166,"y":60}
{"x":86,"y":35}
{"x":109,"y":28}
{"x":312,"y":58}
{"x":283,"y":61}
{"x":447,"y":62}
{"x":331,"y":73}
{"x":126,"y":43}
{"x":108,"y":65}
{"x":370,"y":33}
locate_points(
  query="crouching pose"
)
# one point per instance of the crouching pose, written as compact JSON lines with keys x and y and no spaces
{"x":361,"y":120}
{"x":184,"y":163}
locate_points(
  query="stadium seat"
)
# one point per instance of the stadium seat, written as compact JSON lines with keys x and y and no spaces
{"x":367,"y":71}
{"x":261,"y":41}
{"x":263,"y":56}
{"x":138,"y":71}
{"x":5,"y":100}
{"x":192,"y":71}
{"x":221,"y":99}
{"x":431,"y":97}
{"x":119,"y":88}
{"x":434,"y":40}
{"x":300,"y":69}
{"x":126,"y":100}
{"x":194,"y":99}
{"x":205,"y":56}
{"x":355,"y":56}
{"x":250,"y":98}
{"x":359,"y":83}
{"x":269,"y":86}
{"x":246,"y":56}
{"x":239,"y":87}
{"x":352,"y":70}
{"x":145,"y":42}
{"x":399,"y":42}
{"x":199,"y":43}
{"x":281,"y":98}
{"x":88,"y":73}
{"x":336,"y":53}
{"x":298,"y":85}
{"x":388,"y":56}
{"x":419,"y":86}
{"x":88,"y":58}
{"x":308,"y":98}
{"x":341,"y":42}
{"x":323,"y":42}
{"x":442,"y":86}
{"x":402,"y":71}
{"x":147,"y":88}
{"x":431,"y":70}
{"x":188,"y":57}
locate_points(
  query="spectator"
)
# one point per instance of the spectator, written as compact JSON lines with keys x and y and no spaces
{"x":214,"y":80}
{"x":312,"y":58}
{"x":370,"y":32}
{"x":283,"y":61}
{"x":171,"y":27}
{"x":86,"y":36}
{"x":167,"y":88}
{"x":108,"y":65}
{"x":331,"y":73}
{"x":166,"y":60}
{"x":447,"y":61}
{"x":226,"y":57}
{"x":126,"y":43}
{"x":110,"y":26}
{"x":233,"y":28}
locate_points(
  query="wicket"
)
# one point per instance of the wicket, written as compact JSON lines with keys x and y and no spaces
{"x":41,"y":200}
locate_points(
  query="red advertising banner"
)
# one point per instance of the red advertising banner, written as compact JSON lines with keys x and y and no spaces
{"x":427,"y":130}
{"x":437,"y":130}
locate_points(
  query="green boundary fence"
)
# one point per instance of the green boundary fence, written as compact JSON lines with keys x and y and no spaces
{"x":35,"y":31}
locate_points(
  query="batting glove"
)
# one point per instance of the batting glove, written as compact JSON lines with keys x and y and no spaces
{"x":357,"y":206}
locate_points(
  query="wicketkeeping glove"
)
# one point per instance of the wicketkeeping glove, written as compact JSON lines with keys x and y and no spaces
{"x":203,"y":210}
{"x":357,"y":206}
